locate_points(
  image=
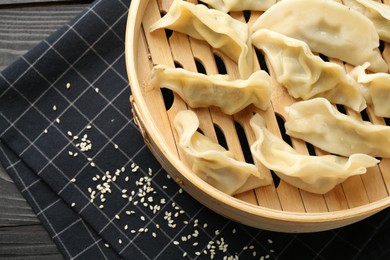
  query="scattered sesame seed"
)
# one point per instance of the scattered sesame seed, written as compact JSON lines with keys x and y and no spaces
{"x":106,"y":245}
{"x":269,"y":241}
{"x":69,"y":133}
{"x":68,"y":85}
{"x":184,"y":254}
{"x":116,"y":146}
{"x":120,"y":241}
{"x":45,"y":131}
{"x":73,"y":204}
{"x":88,"y":127}
{"x":73,"y":180}
{"x":154,"y":234}
{"x":92,"y":164}
{"x":176,"y":243}
{"x":101,"y":206}
{"x":54,"y":108}
{"x":70,"y":153}
{"x":97,"y":90}
{"x":117,"y":216}
{"x":58,"y":120}
{"x":126,"y":227}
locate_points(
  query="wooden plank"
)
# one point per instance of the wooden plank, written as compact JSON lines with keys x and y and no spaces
{"x":23,"y":28}
{"x":23,"y":24}
{"x":11,"y":2}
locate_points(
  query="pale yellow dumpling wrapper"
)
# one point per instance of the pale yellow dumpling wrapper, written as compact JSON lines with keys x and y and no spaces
{"x":200,"y":90}
{"x":217,"y":28}
{"x":377,"y":12}
{"x":306,"y":75}
{"x":212,"y":162}
{"x":376,"y":87}
{"x":327,"y":27}
{"x":240,"y":5}
{"x":318,"y":122}
{"x":316,"y":174}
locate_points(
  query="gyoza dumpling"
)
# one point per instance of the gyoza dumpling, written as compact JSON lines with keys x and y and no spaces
{"x":377,"y":88}
{"x":240,"y":5}
{"x":212,"y":162}
{"x":327,"y":27}
{"x":306,"y":75}
{"x":217,"y":28}
{"x":317,"y":174}
{"x":377,"y":12}
{"x":317,"y":122}
{"x":200,"y":90}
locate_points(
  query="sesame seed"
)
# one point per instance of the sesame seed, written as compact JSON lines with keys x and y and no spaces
{"x":106,"y":245}
{"x":142,"y":218}
{"x":73,"y":204}
{"x":45,"y":131}
{"x":269,"y":241}
{"x":126,"y":227}
{"x":120,"y":241}
{"x":117,"y":216}
{"x":154,"y":235}
{"x":88,"y":127}
{"x":184,"y":254}
{"x":70,"y":153}
{"x":101,"y":206}
{"x":116,"y":146}
{"x":68,"y":85}
{"x":234,"y":231}
{"x":58,"y":120}
{"x":73,"y":180}
{"x":97,"y":90}
{"x":93,"y":164}
{"x":176,"y":242}
{"x":54,"y":108}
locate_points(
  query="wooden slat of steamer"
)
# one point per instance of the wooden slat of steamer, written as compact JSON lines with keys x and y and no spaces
{"x":280,"y":98}
{"x":182,"y":53}
{"x":224,"y":122}
{"x":289,"y":196}
{"x":161,"y":54}
{"x":373,"y":185}
{"x":203,"y":52}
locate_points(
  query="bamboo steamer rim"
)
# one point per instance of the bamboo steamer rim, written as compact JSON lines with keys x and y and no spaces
{"x":134,"y":21}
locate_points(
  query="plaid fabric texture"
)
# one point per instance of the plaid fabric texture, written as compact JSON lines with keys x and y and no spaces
{"x":69,"y":142}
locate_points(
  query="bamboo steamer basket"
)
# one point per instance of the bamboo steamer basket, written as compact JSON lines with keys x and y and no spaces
{"x":281,"y":207}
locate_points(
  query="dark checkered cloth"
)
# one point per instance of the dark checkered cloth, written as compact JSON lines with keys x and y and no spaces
{"x":69,"y":142}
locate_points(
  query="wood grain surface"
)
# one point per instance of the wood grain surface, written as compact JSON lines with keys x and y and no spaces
{"x":23,"y":24}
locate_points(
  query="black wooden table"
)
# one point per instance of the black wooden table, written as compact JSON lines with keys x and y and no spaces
{"x":23,"y":24}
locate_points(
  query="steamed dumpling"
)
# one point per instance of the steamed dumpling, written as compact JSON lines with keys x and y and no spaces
{"x":327,"y":27}
{"x":377,"y":89}
{"x":200,"y":90}
{"x":217,"y":28}
{"x":306,"y":75}
{"x":212,"y":162}
{"x":240,"y":5}
{"x":317,"y":122}
{"x":377,"y":12}
{"x":317,"y":174}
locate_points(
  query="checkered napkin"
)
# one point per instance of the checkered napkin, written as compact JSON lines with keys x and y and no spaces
{"x":69,"y":142}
